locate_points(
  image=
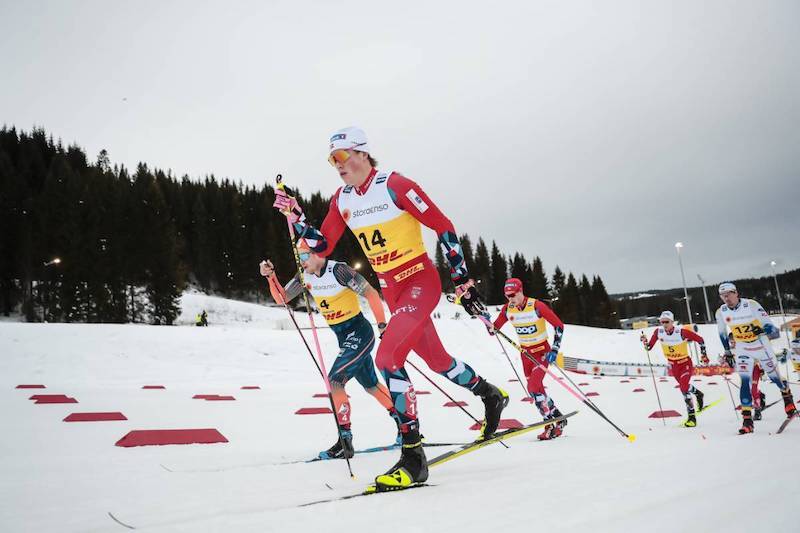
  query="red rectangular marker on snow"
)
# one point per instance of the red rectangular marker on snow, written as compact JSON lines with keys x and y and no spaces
{"x":505,"y":423}
{"x":219,"y":398}
{"x":664,"y":414}
{"x":47,"y":396}
{"x":161,"y":437}
{"x":250,"y":387}
{"x":455,"y":404}
{"x":56,"y":400}
{"x":94,"y":417}
{"x":152,"y":387}
{"x":313,"y":411}
{"x":30,"y":387}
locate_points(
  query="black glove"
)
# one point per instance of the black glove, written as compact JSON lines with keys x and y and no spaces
{"x":470,"y":299}
{"x":729,"y":359}
{"x":703,"y":349}
{"x":381,"y":329}
{"x":757,"y":330}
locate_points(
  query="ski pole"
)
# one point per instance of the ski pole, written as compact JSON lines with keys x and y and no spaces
{"x":630,"y":436}
{"x":527,"y":394}
{"x":730,"y":392}
{"x":655,"y":387}
{"x":447,"y":395}
{"x":321,"y":365}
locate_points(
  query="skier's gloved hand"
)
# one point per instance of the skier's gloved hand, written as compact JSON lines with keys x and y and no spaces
{"x":644,"y":340}
{"x":470,"y":300}
{"x":757,"y":330}
{"x":266,"y":268}
{"x":288,"y":206}
{"x":771,"y":331}
{"x":729,"y":359}
{"x":381,"y":329}
{"x":551,"y":356}
{"x":704,"y":355}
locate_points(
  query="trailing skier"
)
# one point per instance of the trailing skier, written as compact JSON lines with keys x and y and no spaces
{"x":749,"y":323}
{"x":335,"y":287}
{"x":528,"y":316}
{"x":675,"y":345}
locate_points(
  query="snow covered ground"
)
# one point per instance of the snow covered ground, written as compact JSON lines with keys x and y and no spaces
{"x":59,"y":476}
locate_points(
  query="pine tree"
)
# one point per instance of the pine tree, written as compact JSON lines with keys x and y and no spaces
{"x":538,"y":280}
{"x":604,"y":312}
{"x":586,"y":308}
{"x":499,"y":274}
{"x":568,"y":303}
{"x":518,"y":267}
{"x":558,"y":283}
{"x":481,"y":271}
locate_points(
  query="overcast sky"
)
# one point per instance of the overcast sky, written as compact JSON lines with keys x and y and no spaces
{"x":593,"y":134}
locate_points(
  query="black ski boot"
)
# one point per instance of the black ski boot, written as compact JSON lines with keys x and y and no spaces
{"x":494,"y":401}
{"x":758,"y":406}
{"x":788,"y":402}
{"x":412,"y":468}
{"x":747,"y":422}
{"x":556,"y":413}
{"x":699,"y":397}
{"x":343,"y":448}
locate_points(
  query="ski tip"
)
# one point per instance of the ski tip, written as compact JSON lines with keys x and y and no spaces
{"x":631,"y":437}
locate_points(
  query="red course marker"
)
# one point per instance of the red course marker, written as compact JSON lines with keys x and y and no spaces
{"x":151,"y":387}
{"x":664,"y":414}
{"x":30,"y":387}
{"x":94,"y":417}
{"x":313,"y":411}
{"x":160,"y":437}
{"x":455,"y":404}
{"x":505,"y":423}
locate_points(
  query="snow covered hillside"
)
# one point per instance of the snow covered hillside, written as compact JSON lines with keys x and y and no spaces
{"x":68,"y":476}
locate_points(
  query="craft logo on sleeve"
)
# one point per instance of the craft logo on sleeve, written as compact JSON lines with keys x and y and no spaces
{"x":418,"y":202}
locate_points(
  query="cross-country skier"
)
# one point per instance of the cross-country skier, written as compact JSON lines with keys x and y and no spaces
{"x":749,"y":323}
{"x":386,"y":211}
{"x":675,"y":345}
{"x":335,"y":287}
{"x":528,"y":316}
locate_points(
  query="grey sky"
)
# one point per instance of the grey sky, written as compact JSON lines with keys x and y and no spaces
{"x":593,"y":134}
